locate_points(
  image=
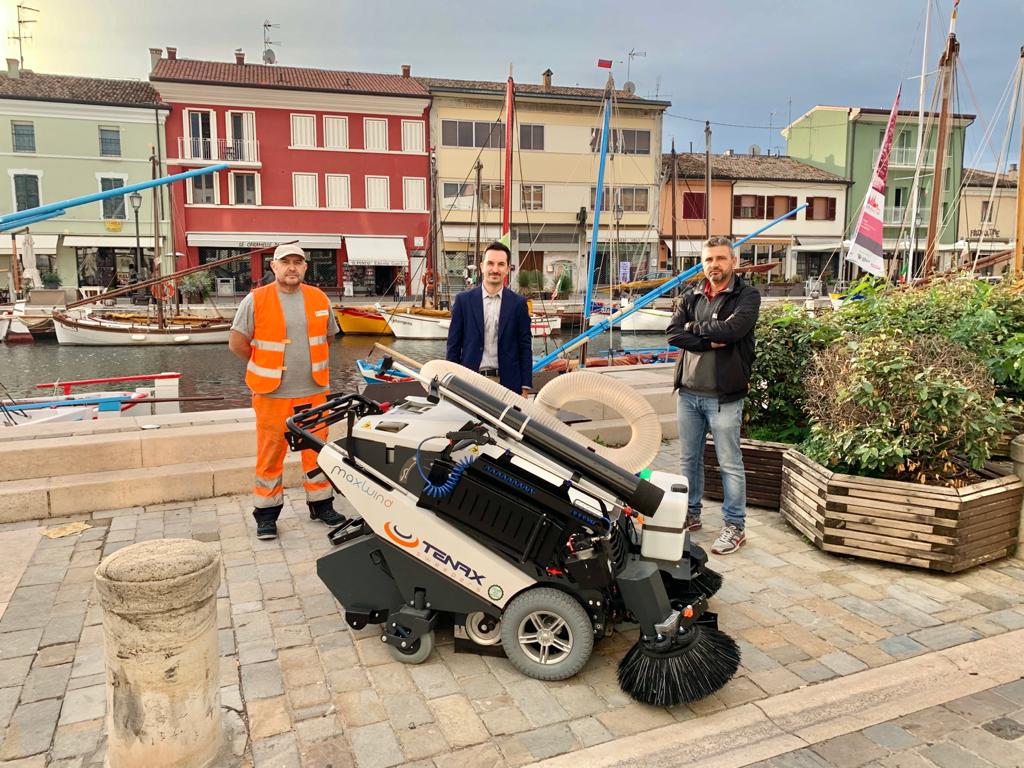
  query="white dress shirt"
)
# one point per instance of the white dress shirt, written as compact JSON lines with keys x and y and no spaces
{"x":492,"y":313}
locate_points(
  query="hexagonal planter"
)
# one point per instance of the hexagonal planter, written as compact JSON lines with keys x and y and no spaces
{"x":942,"y":529}
{"x":762,"y":462}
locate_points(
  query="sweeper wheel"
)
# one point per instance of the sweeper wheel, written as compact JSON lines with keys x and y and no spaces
{"x":546,"y":634}
{"x":417,"y":652}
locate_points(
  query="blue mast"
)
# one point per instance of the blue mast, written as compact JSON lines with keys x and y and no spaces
{"x":598,"y":199}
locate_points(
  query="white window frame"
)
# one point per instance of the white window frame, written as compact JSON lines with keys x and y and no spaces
{"x":12,"y":172}
{"x":366,"y":122}
{"x":316,"y":190}
{"x":189,"y":197}
{"x":120,"y":142}
{"x":542,"y":193}
{"x":348,"y":189}
{"x":188,"y":136}
{"x":405,"y":193}
{"x":344,"y":121}
{"x":420,"y":131}
{"x":231,"y":188}
{"x":35,"y":143}
{"x":230,"y":133}
{"x":291,"y":125}
{"x":99,"y":188}
{"x":387,"y":187}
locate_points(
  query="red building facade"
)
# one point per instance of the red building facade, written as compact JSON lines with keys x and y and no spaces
{"x":338,"y":161}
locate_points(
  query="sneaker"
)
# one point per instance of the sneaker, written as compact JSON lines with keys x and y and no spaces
{"x":692,"y":523}
{"x":324,"y":512}
{"x":266,"y":529}
{"x":729,"y":540}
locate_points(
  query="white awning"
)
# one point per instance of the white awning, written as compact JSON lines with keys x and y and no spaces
{"x":466,"y":233}
{"x":250,"y":240}
{"x":686,"y":246}
{"x":974,"y":246}
{"x":105,"y":241}
{"x":376,"y":251}
{"x":626,"y":236}
{"x":824,"y":247}
{"x":43,"y":245}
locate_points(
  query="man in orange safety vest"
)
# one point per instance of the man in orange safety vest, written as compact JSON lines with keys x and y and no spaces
{"x":282,"y":331}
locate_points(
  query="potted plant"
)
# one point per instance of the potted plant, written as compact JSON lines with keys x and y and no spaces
{"x":903,"y":416}
{"x":196,"y":287}
{"x":51,"y":279}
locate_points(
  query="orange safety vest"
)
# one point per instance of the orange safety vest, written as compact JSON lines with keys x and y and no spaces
{"x":266,"y":364}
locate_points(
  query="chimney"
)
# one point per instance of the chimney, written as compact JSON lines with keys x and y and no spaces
{"x":546,"y":79}
{"x":239,"y":56}
{"x":1011,"y":171}
{"x":13,"y":69}
{"x":406,"y":70}
{"x":154,"y":57}
{"x":172,"y":53}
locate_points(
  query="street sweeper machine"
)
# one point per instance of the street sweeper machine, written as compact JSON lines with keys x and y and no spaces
{"x":474,"y":503}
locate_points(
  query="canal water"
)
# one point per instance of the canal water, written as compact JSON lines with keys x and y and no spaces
{"x":210,"y":370}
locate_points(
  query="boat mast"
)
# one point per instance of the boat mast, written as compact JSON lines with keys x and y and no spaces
{"x":598,"y":201}
{"x":707,"y":179}
{"x":915,"y":195}
{"x":676,"y":265}
{"x":947,"y":65}
{"x":154,"y":165}
{"x":1018,"y":245}
{"x":479,"y":167}
{"x":506,"y":206}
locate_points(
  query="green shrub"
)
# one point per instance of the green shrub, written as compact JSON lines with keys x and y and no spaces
{"x":197,"y":285}
{"x":903,"y":405}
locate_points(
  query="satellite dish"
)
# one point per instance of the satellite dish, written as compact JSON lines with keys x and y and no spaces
{"x":629,"y":87}
{"x":754,"y":149}
{"x":269,"y":57}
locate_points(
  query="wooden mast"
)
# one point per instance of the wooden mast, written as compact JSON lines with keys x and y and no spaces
{"x":1018,"y":245}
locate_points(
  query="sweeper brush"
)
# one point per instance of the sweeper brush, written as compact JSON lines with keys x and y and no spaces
{"x":475,"y":503}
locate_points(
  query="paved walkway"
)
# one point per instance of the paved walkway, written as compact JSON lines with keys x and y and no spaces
{"x":301,"y":689}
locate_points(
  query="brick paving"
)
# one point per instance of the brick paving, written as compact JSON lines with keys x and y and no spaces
{"x":301,"y":689}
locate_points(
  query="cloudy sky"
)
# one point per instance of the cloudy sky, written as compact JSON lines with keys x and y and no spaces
{"x":747,"y":63}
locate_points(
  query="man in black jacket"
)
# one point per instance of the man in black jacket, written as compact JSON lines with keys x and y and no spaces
{"x":713,"y":325}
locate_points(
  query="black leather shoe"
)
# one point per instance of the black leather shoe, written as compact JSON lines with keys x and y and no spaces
{"x":267,"y":529}
{"x":324,"y":512}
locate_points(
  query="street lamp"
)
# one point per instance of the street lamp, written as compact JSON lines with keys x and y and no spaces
{"x":136,"y":200}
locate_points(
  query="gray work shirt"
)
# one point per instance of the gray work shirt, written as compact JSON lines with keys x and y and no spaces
{"x":492,"y":314}
{"x":699,"y":372}
{"x":297,"y":380}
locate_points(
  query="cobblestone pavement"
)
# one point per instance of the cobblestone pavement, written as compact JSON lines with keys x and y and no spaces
{"x":978,"y":731}
{"x":301,"y":689}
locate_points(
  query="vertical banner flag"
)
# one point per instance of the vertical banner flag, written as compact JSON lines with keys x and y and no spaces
{"x":866,"y":249}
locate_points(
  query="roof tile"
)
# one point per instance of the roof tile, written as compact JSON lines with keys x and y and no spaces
{"x":83,"y":90}
{"x":749,"y":168}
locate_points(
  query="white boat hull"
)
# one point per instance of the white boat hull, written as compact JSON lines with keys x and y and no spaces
{"x":91,"y":332}
{"x":5,"y":323}
{"x":645,"y":320}
{"x":417,"y":326}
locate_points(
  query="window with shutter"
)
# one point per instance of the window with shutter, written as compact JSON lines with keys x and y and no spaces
{"x":790,"y":205}
{"x":748,"y":207}
{"x":26,"y":191}
{"x":335,"y":132}
{"x":338,"y":192}
{"x":377,"y":197}
{"x":415,"y":194}
{"x":303,"y":131}
{"x":759,"y":207}
{"x":113,"y":207}
{"x":412,"y":136}
{"x":304,"y":191}
{"x":737,"y":206}
{"x":375,"y":134}
{"x":693,"y":205}
{"x":830,"y":211}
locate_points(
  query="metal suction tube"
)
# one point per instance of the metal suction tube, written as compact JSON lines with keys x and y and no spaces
{"x":641,"y":495}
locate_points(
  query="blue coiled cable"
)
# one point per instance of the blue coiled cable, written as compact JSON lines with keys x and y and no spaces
{"x":437,"y":491}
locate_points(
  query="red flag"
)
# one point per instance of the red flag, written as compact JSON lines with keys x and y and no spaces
{"x":604,"y":63}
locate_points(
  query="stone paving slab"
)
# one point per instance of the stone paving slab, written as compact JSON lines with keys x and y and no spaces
{"x":299,"y":688}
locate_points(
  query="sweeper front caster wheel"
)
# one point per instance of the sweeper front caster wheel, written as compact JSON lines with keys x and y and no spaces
{"x":546,"y":634}
{"x":417,"y":652}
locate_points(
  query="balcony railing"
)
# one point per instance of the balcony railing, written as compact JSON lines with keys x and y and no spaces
{"x":219,"y":150}
{"x":898,"y":214}
{"x":906,"y":157}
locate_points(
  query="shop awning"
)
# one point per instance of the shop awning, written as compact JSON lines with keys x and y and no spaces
{"x":105,"y":241}
{"x":376,"y":251}
{"x":466,"y":233}
{"x":42,"y":244}
{"x":251,"y":240}
{"x":826,"y":246}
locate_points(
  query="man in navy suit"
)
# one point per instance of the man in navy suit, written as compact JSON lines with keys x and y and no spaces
{"x":490,"y":329}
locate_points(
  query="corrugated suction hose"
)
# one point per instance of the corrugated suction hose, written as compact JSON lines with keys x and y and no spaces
{"x":645,"y":438}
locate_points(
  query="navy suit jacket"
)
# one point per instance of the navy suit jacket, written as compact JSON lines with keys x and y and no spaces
{"x":515,"y":347}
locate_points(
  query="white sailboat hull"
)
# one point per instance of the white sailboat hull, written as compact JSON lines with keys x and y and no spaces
{"x":417,"y":326}
{"x":645,"y":320}
{"x":98,"y":333}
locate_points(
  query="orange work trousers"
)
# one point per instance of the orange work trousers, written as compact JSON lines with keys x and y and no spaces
{"x":271,"y":448}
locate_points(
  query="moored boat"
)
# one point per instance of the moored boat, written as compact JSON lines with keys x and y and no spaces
{"x":361,"y":321}
{"x":95,"y":330}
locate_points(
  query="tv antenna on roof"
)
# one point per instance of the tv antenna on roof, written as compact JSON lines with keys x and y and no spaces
{"x":22,"y":35}
{"x":269,"y":57}
{"x":633,"y":53}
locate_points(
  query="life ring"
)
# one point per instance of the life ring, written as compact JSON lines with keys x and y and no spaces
{"x":162,"y":291}
{"x":428,"y":279}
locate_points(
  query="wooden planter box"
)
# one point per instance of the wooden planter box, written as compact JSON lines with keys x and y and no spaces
{"x":942,"y":529}
{"x":762,"y":462}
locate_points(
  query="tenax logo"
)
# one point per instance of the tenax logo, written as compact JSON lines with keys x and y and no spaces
{"x":410,"y":541}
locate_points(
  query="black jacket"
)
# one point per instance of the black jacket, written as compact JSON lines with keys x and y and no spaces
{"x":732,"y":325}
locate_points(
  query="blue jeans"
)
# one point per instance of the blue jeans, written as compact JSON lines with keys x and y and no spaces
{"x":697,"y":416}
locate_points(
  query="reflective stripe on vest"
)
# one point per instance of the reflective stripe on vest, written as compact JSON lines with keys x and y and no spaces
{"x":266,"y":362}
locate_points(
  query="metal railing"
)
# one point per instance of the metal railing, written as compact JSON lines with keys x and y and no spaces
{"x":219,"y":150}
{"x":906,"y":157}
{"x":898,"y":215}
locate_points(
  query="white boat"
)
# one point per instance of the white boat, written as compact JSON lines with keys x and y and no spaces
{"x":16,"y":332}
{"x":539,"y":326}
{"x":646,"y":320}
{"x":64,"y":405}
{"x":5,"y":323}
{"x":91,"y":330}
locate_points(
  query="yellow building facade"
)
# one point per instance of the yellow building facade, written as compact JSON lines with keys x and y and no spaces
{"x":555,"y":157}
{"x":988,"y":212}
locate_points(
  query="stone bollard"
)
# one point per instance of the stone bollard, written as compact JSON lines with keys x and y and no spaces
{"x":1017,"y":456}
{"x":159,"y":603}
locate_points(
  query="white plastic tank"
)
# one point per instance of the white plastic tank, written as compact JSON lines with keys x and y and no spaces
{"x":664,"y":534}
